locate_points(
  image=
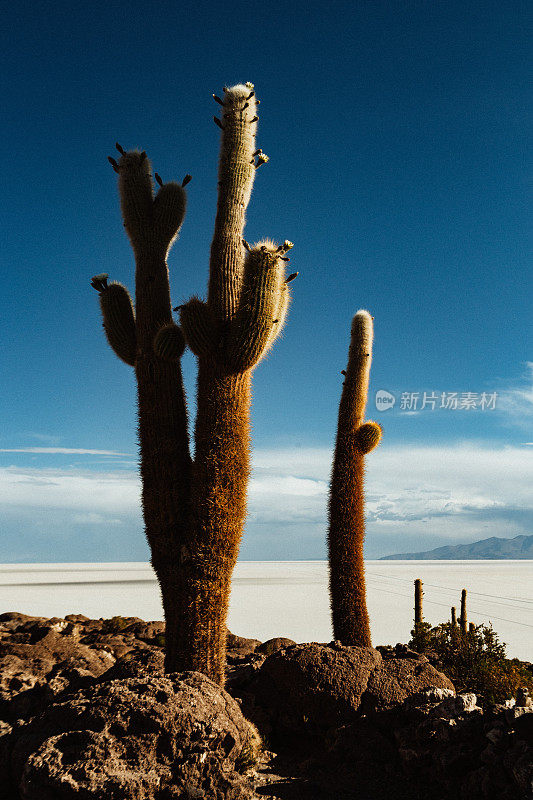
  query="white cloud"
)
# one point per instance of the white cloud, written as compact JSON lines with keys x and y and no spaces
{"x":91,"y":518}
{"x":417,"y":498}
{"x":439,"y":490}
{"x":62,"y":451}
{"x":516,"y":402}
{"x":101,"y":492}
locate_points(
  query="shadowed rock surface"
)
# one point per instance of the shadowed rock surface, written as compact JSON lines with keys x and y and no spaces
{"x":166,"y":737}
{"x":87,"y":713}
{"x":314,"y":687}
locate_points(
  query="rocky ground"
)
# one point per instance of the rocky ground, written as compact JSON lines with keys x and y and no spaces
{"x":86,"y":712}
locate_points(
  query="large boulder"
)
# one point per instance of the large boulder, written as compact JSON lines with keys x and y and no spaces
{"x":398,"y":677}
{"x":273,"y":645}
{"x":177,"y":736}
{"x":311,"y":688}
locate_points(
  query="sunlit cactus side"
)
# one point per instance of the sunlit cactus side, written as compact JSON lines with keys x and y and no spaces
{"x":194,"y":511}
{"x":355,"y":439}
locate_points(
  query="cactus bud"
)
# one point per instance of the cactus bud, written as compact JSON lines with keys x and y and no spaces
{"x":368,"y":436}
{"x":169,"y":343}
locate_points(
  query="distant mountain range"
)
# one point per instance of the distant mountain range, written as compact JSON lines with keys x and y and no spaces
{"x":493,"y":548}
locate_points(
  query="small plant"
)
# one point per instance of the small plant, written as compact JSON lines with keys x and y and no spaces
{"x":251,"y":751}
{"x":474,"y":661}
{"x":421,"y":637}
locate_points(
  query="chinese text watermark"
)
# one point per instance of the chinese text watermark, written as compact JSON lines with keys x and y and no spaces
{"x":452,"y":401}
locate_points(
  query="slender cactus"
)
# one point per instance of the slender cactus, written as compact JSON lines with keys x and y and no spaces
{"x":463,"y":621}
{"x":418,"y":602}
{"x":194,"y":510}
{"x":355,"y":439}
{"x":453,"y":617}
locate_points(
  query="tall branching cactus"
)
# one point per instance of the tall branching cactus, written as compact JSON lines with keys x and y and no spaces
{"x":194,"y":510}
{"x":355,"y":438}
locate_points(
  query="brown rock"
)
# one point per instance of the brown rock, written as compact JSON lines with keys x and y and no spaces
{"x":147,"y":631}
{"x":311,"y":688}
{"x":396,"y":679}
{"x":314,"y":687}
{"x":172,"y":737}
{"x":79,"y":618}
{"x":136,"y":664}
{"x":239,"y":645}
{"x":273,"y":645}
{"x":27,"y":669}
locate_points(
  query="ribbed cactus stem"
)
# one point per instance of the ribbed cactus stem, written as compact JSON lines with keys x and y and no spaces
{"x":119,"y":321}
{"x":199,"y":327}
{"x":418,"y":602}
{"x":463,"y":619}
{"x":346,"y":504}
{"x":264,"y":296}
{"x":359,"y":362}
{"x":453,"y":617}
{"x":136,"y":196}
{"x":236,"y":174}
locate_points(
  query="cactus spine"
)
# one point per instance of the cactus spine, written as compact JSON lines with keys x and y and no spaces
{"x":355,"y":439}
{"x":194,"y":510}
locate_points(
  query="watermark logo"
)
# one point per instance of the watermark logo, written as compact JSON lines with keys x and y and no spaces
{"x":450,"y":401}
{"x":384,"y":400}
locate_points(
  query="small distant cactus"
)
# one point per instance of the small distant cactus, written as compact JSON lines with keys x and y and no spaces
{"x":418,"y":602}
{"x":194,"y":510}
{"x":463,"y":621}
{"x":355,"y":439}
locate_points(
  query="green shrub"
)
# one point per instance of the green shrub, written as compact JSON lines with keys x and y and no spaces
{"x":475,"y":661}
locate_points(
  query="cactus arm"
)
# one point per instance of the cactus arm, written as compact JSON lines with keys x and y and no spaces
{"x":199,"y":327}
{"x":136,"y":194}
{"x":169,"y":343}
{"x":118,"y":318}
{"x":262,"y":307}
{"x":168,"y":213}
{"x":152,"y":226}
{"x":351,"y":623}
{"x":367,"y":437}
{"x":235,"y":180}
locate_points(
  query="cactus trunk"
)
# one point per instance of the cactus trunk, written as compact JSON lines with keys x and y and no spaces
{"x":351,"y":624}
{"x":163,"y":439}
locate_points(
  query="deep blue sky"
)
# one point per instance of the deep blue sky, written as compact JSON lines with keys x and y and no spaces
{"x":398,"y":139}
